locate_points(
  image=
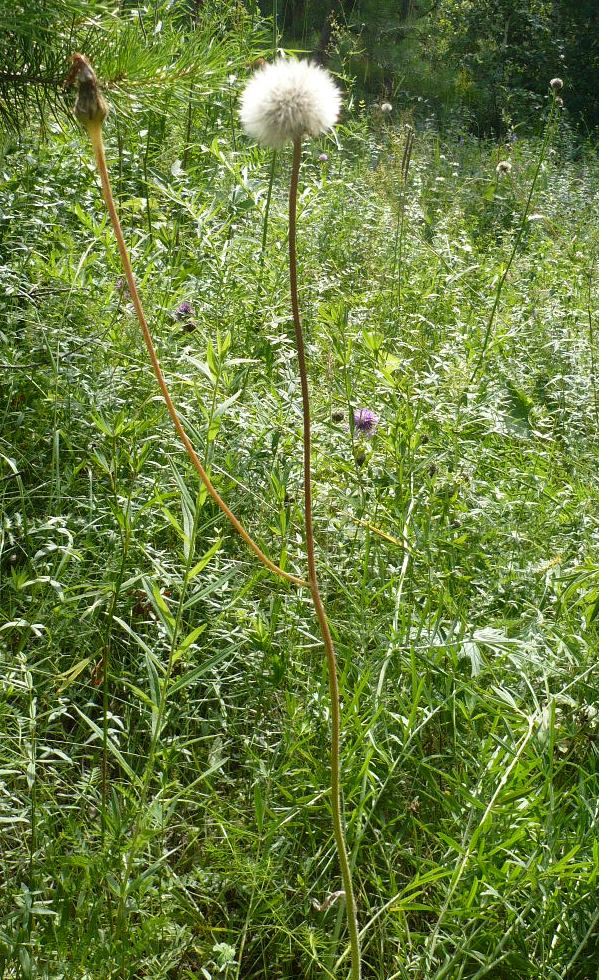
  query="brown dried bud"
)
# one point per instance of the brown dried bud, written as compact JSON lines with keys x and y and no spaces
{"x":556,"y":84}
{"x":90,"y":107}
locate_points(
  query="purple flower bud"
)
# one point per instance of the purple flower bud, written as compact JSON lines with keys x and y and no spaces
{"x":184,"y":310}
{"x":365,"y":422}
{"x":323,"y":157}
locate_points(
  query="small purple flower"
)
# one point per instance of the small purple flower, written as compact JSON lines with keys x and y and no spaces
{"x":184,"y":310}
{"x":323,"y":157}
{"x":365,"y":422}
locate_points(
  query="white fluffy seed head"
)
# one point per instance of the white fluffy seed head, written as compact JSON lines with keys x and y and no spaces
{"x":289,"y":100}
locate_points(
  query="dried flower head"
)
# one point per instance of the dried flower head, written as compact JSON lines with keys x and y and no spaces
{"x":556,"y":84}
{"x":503,"y":167}
{"x":365,"y":422}
{"x":386,"y":108}
{"x":90,"y":107}
{"x":289,"y":100}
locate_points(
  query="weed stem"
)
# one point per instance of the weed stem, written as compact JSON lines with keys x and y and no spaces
{"x":95,"y":133}
{"x":516,"y":245}
{"x":319,"y":609}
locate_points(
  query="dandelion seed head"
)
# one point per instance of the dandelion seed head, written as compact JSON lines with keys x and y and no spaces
{"x":386,"y":108}
{"x":503,"y":167}
{"x":556,"y":84}
{"x":288,"y":100}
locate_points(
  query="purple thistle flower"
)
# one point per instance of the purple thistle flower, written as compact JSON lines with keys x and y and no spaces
{"x":365,"y":422}
{"x":184,"y":310}
{"x":323,"y":157}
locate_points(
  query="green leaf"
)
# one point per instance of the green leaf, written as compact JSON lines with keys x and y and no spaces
{"x":201,"y":564}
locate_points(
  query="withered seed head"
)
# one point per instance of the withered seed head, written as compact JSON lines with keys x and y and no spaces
{"x":90,"y":107}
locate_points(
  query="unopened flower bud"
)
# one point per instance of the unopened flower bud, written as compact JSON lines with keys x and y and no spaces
{"x":90,"y":107}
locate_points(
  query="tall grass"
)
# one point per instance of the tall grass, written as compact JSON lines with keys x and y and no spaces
{"x":461,"y":577}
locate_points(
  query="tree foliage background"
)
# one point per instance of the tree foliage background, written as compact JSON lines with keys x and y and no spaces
{"x":483,"y":62}
{"x":489,"y":59}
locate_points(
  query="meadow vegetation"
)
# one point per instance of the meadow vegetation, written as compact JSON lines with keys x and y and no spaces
{"x":175,"y":821}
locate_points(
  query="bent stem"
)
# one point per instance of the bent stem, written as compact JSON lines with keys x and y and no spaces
{"x":94,"y":130}
{"x":338,"y":829}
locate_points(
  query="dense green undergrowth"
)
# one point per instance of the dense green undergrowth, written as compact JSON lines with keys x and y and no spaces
{"x":458,"y":549}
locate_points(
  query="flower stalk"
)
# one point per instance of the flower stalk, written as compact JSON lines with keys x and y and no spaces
{"x":503,"y":169}
{"x":289,"y":121}
{"x":319,"y":609}
{"x":92,"y":116}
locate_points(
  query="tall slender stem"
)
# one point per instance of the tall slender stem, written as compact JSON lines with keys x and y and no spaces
{"x":338,"y":828}
{"x":95,"y":134}
{"x":273,"y":164}
{"x":592,"y":340}
{"x":516,"y":245}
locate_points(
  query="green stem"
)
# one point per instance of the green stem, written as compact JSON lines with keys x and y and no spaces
{"x":317,"y":602}
{"x":516,"y":246}
{"x":592,"y":340}
{"x":273,"y":164}
{"x":107,"y":646}
{"x":158,"y":723}
{"x":95,"y":133}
